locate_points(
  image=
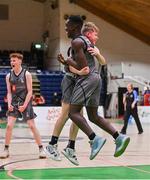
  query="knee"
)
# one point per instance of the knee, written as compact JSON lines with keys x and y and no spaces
{"x":31,"y":126}
{"x":91,"y":117}
{"x":70,"y":115}
{"x":9,"y":127}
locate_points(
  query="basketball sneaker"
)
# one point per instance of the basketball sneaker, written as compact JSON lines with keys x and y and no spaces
{"x":96,"y":145}
{"x":52,"y":152}
{"x":42,"y":153}
{"x":70,"y":155}
{"x":4,"y":154}
{"x":140,"y":132}
{"x":121,"y":142}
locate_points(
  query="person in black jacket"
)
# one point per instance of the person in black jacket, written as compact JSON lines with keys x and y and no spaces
{"x":130,"y":105}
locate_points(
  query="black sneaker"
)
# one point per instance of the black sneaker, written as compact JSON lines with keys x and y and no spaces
{"x":140,"y":132}
{"x":122,"y":132}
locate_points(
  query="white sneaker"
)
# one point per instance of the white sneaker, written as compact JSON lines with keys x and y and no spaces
{"x":52,"y":152}
{"x":70,"y":155}
{"x":4,"y":154}
{"x":42,"y":154}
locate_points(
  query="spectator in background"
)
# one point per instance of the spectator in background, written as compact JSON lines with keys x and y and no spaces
{"x":146,"y":90}
{"x":38,"y":100}
{"x":56,"y":99}
{"x":130,"y":106}
{"x":146,"y":96}
{"x":140,"y":99}
{"x":4,"y":108}
{"x":34,"y":103}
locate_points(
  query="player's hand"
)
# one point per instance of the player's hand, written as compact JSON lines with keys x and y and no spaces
{"x":61,"y":59}
{"x":94,"y":51}
{"x":21,"y":108}
{"x":10,"y":108}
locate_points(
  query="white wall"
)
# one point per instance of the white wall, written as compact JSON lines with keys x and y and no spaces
{"x":52,"y":24}
{"x":24,"y":26}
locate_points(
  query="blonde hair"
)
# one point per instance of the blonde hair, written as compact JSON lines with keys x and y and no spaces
{"x":16,"y":55}
{"x":89,"y":26}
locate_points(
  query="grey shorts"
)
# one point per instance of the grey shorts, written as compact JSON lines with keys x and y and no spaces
{"x":87,"y":90}
{"x":28,"y":114}
{"x":67,"y":86}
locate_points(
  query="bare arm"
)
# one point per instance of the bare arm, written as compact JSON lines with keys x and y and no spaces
{"x":79,"y":60}
{"x":124,"y":101}
{"x":9,"y":95}
{"x":95,"y":52}
{"x":29,"y":89}
{"x":81,"y":72}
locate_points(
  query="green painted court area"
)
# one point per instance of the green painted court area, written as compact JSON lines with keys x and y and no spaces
{"x":130,"y":172}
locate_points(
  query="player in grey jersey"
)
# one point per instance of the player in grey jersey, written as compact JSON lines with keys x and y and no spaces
{"x":19,"y":95}
{"x":68,"y":84}
{"x":86,"y":93}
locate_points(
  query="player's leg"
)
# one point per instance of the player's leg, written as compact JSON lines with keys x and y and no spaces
{"x":60,"y":123}
{"x":121,"y":140}
{"x":100,"y":121}
{"x":10,"y":124}
{"x":137,"y":120}
{"x":37,"y":137}
{"x":51,"y":149}
{"x":95,"y":141}
{"x":127,"y":114}
{"x":69,"y":151}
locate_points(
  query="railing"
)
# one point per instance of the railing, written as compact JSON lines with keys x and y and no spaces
{"x":139,"y":80}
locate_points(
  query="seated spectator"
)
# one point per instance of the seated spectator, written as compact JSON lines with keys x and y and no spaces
{"x":146,"y":95}
{"x":146,"y":90}
{"x":56,"y":100}
{"x":38,"y":100}
{"x":147,"y":99}
{"x":140,"y":99}
{"x":4,"y":108}
{"x":34,"y":103}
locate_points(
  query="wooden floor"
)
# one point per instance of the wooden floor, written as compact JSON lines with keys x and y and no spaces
{"x":24,"y":151}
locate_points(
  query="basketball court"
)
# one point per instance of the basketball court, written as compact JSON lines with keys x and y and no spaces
{"x":23,"y":162}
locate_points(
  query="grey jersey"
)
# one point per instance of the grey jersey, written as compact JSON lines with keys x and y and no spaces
{"x":18,"y":87}
{"x":19,"y":92}
{"x":87,"y":88}
{"x":90,"y":59}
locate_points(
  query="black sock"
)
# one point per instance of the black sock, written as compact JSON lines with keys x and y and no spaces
{"x":71,"y":144}
{"x":6,"y":147}
{"x":115,"y":135}
{"x":92,"y":136}
{"x":40,"y":146}
{"x":54,"y":140}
